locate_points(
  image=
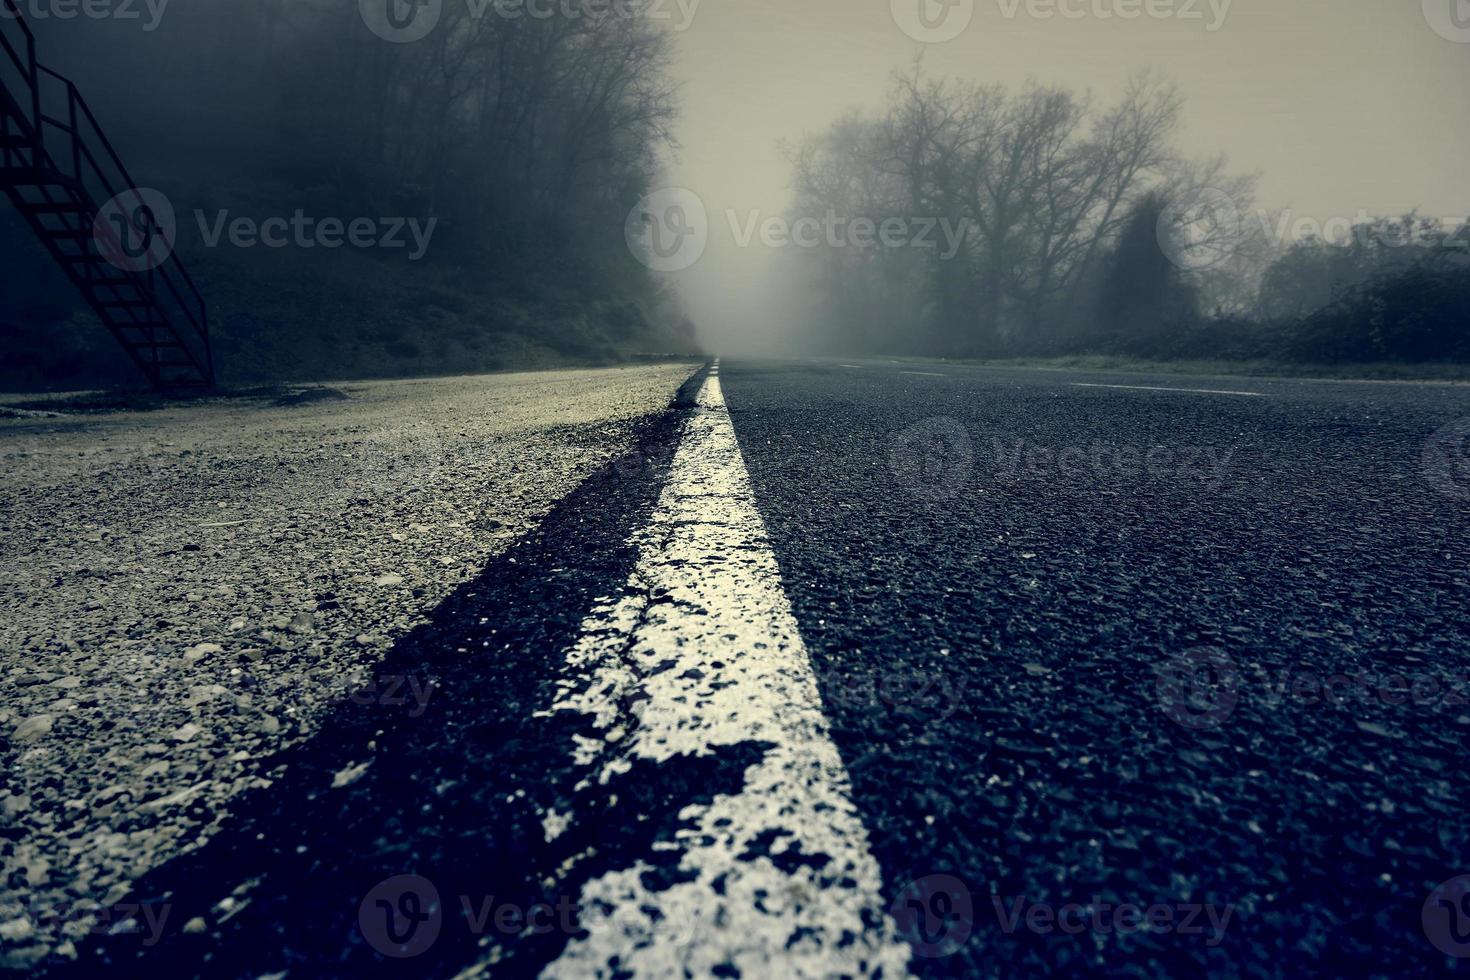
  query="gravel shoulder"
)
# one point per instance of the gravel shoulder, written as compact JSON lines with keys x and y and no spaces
{"x":190,"y":590}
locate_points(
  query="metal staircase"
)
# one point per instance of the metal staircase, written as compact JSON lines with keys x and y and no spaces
{"x":62,"y":174}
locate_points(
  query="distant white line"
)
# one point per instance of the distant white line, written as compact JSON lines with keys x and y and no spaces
{"x":704,"y":646}
{"x":855,"y":367}
{"x":924,"y":374}
{"x":1192,"y":391}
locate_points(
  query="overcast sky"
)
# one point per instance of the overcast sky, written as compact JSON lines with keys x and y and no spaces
{"x":1340,"y":105}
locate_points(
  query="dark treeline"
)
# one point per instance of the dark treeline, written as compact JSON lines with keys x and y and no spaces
{"x":1082,"y":229}
{"x":527,"y":139}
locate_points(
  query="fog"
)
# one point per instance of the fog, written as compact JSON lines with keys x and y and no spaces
{"x":1163,"y":179}
{"x":1340,"y":107}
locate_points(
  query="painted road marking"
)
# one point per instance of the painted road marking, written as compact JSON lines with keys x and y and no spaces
{"x":924,"y":374}
{"x":1192,"y":391}
{"x":700,"y":653}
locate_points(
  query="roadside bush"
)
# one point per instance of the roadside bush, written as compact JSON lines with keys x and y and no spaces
{"x":1421,"y":315}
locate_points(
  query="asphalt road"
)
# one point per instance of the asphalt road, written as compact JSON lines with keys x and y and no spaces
{"x":983,"y":672}
{"x":991,"y":567}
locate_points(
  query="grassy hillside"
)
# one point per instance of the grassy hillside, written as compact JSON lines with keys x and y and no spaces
{"x":297,"y":314}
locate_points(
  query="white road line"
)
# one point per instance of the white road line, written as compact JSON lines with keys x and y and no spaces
{"x":1192,"y":391}
{"x":924,"y":374}
{"x":704,"y":645}
{"x":855,"y":367}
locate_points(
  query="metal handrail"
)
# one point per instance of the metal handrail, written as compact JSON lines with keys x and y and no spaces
{"x":81,"y":153}
{"x":10,"y":14}
{"x":88,"y":171}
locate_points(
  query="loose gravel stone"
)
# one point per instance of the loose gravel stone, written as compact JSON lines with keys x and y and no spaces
{"x":206,"y":580}
{"x":33,"y":728}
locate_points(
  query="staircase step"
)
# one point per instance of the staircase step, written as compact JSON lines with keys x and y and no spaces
{"x":162,"y":345}
{"x":103,"y":274}
{"x":68,"y":209}
{"x":28,"y":176}
{"x":84,"y":271}
{"x":166,"y":365}
{"x":109,"y":282}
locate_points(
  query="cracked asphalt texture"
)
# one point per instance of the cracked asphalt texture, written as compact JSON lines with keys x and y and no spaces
{"x":442,"y":806}
{"x":192,"y":591}
{"x":1007,"y":583}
